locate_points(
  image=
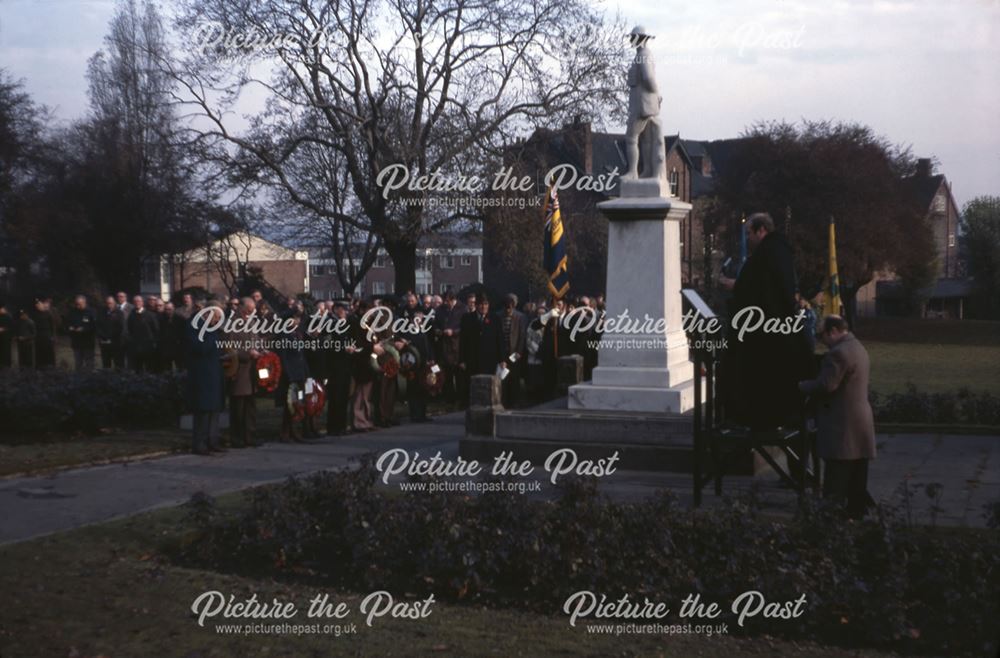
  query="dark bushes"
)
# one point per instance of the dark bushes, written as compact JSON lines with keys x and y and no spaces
{"x":53,"y":400}
{"x":962,"y":407}
{"x":874,"y":583}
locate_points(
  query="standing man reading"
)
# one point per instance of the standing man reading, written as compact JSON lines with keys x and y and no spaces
{"x":846,"y":440}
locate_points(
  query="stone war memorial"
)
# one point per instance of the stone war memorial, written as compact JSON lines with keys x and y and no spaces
{"x":651,"y":372}
{"x":527,"y":328}
{"x":640,"y":398}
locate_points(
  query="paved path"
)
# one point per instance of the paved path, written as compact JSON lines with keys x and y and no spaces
{"x":966,"y":467}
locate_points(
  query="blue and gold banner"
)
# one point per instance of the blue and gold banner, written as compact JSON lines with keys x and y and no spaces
{"x":555,"y":249}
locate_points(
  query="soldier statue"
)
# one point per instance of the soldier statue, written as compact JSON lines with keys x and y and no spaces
{"x":643,"y":112}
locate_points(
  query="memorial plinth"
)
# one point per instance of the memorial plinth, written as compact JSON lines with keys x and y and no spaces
{"x":647,"y":371}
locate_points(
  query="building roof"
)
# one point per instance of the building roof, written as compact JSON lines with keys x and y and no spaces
{"x":241,"y":246}
{"x":924,"y":188}
{"x":441,"y":242}
{"x":608,"y":151}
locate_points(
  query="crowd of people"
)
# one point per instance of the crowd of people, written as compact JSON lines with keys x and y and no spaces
{"x":445,"y":342}
{"x":144,"y":334}
{"x":336,"y":347}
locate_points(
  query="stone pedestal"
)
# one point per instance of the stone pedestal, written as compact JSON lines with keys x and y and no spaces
{"x":646,"y":371}
{"x":484,"y":403}
{"x":569,"y":372}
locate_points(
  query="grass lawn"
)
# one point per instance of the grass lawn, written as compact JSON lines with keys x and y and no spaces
{"x":105,"y":590}
{"x":934,"y":368}
{"x":56,"y":452}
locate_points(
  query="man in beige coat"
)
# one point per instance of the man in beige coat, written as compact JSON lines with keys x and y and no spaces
{"x":846,"y":440}
{"x":242,"y":387}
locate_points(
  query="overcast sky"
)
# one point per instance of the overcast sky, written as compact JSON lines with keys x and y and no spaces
{"x":925,"y":74}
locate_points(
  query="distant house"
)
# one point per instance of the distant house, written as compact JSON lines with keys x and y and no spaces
{"x":444,"y":262}
{"x":225,"y":264}
{"x":946,"y":298}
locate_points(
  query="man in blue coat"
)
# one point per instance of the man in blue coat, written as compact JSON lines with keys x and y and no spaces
{"x":205,"y":380}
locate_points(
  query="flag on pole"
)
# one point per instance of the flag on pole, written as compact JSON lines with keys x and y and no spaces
{"x":555,"y":248}
{"x":833,"y":305}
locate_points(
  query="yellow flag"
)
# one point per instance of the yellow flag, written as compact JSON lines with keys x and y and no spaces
{"x":833,"y":305}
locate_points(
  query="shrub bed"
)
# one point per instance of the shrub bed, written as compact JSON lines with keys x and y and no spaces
{"x":873,"y":583}
{"x":54,"y":400}
{"x":962,"y":407}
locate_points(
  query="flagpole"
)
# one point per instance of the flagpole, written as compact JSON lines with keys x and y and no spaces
{"x":743,"y":242}
{"x":555,"y":330}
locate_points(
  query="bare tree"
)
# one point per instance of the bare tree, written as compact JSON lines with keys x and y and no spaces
{"x":323,"y":174}
{"x":429,"y":85}
{"x":229,"y":256}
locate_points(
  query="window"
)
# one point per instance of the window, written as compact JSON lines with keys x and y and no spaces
{"x":378,"y":287}
{"x":951,"y":239}
{"x":380,"y":261}
{"x":447,"y":262}
{"x":466,"y":260}
{"x":423,"y":264}
{"x":674,"y":182}
{"x":425,"y":288}
{"x":940,"y":203}
{"x":151,"y":271}
{"x":316,"y":270}
{"x":444,"y":288}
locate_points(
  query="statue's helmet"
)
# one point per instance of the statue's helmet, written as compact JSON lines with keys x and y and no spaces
{"x":639,"y":35}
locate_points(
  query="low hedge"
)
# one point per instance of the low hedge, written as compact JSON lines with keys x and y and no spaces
{"x":55,"y":400}
{"x":872,"y":583}
{"x":963,"y":407}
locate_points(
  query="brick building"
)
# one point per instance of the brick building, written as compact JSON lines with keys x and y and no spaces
{"x":216,"y":267}
{"x":947,"y":296}
{"x":444,"y":262}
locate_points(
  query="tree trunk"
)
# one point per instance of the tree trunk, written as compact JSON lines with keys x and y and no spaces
{"x":404,"y":262}
{"x":848,"y":297}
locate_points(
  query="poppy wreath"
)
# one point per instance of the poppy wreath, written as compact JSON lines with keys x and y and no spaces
{"x":268,"y":361}
{"x":315,"y":400}
{"x":432,"y":381}
{"x":410,"y":362}
{"x":387,"y":363}
{"x":390,"y":368}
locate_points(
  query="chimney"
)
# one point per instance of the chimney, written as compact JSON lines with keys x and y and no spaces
{"x":581,"y":139}
{"x":923,"y":168}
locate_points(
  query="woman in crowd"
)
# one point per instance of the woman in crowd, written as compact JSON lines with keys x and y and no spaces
{"x":205,"y":382}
